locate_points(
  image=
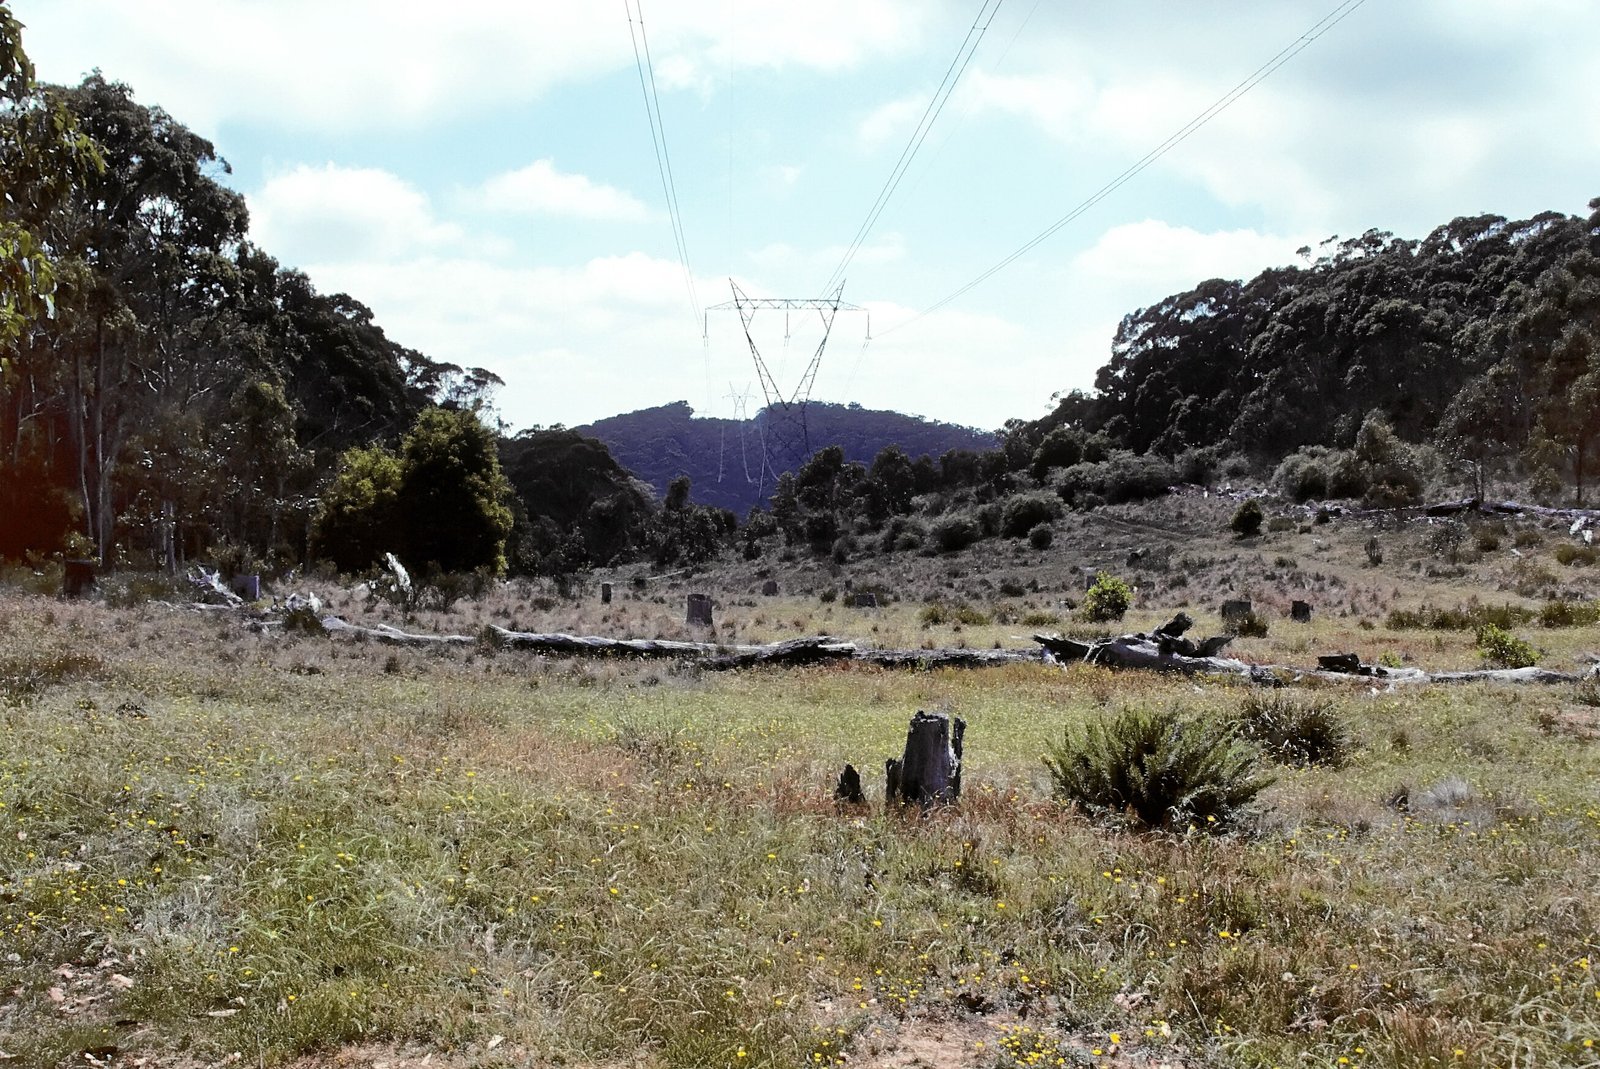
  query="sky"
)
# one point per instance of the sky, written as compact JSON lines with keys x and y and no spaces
{"x":483,"y":176}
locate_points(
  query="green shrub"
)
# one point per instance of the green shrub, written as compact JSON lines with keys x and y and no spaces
{"x":1108,"y":599}
{"x":1501,"y":649}
{"x":1295,"y":734}
{"x":1120,"y":478}
{"x":1568,"y":554}
{"x":941,"y":613}
{"x":1041,"y":537}
{"x":954,"y":533}
{"x":1247,"y":519}
{"x":1460,"y":618}
{"x":1561,"y":613}
{"x":1022,"y":514}
{"x":1251,"y":625}
{"x":1157,"y":769}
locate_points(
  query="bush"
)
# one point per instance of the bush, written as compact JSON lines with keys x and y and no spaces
{"x":1251,"y":625}
{"x":1041,"y":537}
{"x":1295,"y":734}
{"x":1319,"y":472}
{"x":1120,"y":478}
{"x":1023,"y":514}
{"x":1108,"y":599}
{"x":1569,"y":613}
{"x":1499,"y":648}
{"x":1247,"y":519}
{"x":1568,"y":554}
{"x":941,"y":613}
{"x":1156,"y":768}
{"x":1466,"y":618}
{"x":954,"y":533}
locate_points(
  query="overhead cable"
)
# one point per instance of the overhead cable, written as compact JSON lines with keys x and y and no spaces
{"x":658,"y":137}
{"x":930,"y":115}
{"x":1294,"y":48}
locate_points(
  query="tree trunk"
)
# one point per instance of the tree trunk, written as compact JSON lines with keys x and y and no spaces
{"x":928,"y":771}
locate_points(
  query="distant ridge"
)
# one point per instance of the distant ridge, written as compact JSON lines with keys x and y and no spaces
{"x":659,"y":444}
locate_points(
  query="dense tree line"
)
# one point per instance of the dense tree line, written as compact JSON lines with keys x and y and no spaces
{"x":167,"y":387}
{"x":1478,"y":339}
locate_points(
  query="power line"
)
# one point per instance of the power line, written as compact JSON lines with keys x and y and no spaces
{"x":658,"y":138}
{"x":930,"y":114}
{"x":1294,"y":48}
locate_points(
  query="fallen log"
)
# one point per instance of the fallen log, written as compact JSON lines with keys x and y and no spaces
{"x":794,"y":652}
{"x":1137,"y":651}
{"x":392,"y":636}
{"x":1156,"y":653}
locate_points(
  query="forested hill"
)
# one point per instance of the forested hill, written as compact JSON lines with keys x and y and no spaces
{"x":722,"y":457}
{"x":1485,"y":334}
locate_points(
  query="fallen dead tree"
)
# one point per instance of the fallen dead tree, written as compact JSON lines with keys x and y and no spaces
{"x":1156,"y":653}
{"x":1162,"y":651}
{"x":711,"y":656}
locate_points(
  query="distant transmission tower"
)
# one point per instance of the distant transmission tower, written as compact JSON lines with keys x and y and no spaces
{"x":741,"y":412}
{"x":785,"y":435}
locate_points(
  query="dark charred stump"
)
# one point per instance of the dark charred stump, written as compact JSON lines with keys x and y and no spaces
{"x":848,"y":791}
{"x":78,"y":578}
{"x":697,"y":612}
{"x":929,"y":770}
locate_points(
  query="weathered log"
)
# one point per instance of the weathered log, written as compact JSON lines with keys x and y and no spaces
{"x":944,"y":658}
{"x":794,"y":652}
{"x":392,"y":636}
{"x":848,"y":791}
{"x":928,"y":771}
{"x":1176,"y":626}
{"x":1065,"y":650}
{"x":1137,"y":651}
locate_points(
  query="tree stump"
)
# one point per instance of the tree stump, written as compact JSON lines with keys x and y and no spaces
{"x":605,"y":593}
{"x":769,"y":589}
{"x":698,"y":610}
{"x":864,"y":601}
{"x":78,"y":578}
{"x":928,"y":772}
{"x":1300,"y":612}
{"x":1234,"y":612}
{"x":849,"y":790}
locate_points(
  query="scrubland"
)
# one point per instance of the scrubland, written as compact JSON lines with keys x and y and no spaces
{"x":233,"y":846}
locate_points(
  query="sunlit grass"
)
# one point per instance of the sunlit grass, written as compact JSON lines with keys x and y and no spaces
{"x":291,"y":844}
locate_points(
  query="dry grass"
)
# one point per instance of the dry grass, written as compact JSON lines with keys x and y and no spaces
{"x":309,"y":851}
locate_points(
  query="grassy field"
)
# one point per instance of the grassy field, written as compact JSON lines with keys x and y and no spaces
{"x":224,"y":846}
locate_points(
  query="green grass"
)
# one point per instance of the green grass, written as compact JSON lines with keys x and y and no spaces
{"x":294,"y":845}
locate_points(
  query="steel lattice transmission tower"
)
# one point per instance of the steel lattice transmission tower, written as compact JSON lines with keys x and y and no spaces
{"x":785,"y":431}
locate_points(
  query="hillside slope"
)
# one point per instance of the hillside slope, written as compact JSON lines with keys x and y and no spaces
{"x":723,"y":457}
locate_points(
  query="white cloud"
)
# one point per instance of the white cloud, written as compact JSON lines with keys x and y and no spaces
{"x":310,"y":213}
{"x":365,"y":64}
{"x":541,"y":189}
{"x":1155,"y":258}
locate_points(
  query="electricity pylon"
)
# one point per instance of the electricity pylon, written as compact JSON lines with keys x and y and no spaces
{"x":785,"y":429}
